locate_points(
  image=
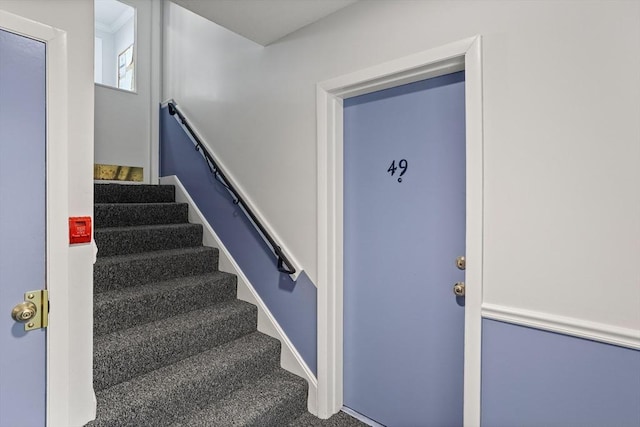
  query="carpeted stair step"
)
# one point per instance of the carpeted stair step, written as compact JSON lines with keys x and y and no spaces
{"x":121,"y":271}
{"x":161,"y":396}
{"x":272,"y":401}
{"x":123,"y":193}
{"x":124,"y":308}
{"x":172,"y":345}
{"x":131,"y":240}
{"x":123,"y":355}
{"x":131,"y":214}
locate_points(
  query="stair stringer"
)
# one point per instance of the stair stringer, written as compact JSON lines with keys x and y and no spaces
{"x":290,"y":358}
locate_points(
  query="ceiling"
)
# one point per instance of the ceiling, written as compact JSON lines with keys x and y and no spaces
{"x":264,"y":21}
{"x":110,"y":15}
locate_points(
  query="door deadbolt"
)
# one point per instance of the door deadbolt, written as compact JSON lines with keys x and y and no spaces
{"x":33,"y":311}
{"x":461,"y":263}
{"x":458,"y":289}
{"x":24,"y":312}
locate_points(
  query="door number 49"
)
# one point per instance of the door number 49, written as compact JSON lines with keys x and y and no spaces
{"x":402,"y":165}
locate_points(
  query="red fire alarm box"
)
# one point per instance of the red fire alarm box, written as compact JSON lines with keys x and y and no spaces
{"x":79,"y":229}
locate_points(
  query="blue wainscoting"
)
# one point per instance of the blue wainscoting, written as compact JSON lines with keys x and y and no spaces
{"x":536,"y":378}
{"x":293,"y":304}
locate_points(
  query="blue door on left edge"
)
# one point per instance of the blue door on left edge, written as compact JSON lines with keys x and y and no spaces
{"x":22,"y":226}
{"x":404,"y":227}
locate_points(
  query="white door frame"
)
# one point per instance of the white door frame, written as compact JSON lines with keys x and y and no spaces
{"x":57,"y":404}
{"x":464,"y":54}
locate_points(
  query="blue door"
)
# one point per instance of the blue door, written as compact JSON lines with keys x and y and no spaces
{"x":404,"y":227}
{"x":22,"y":225}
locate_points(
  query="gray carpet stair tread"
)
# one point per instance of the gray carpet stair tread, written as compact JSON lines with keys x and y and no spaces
{"x":157,"y":398}
{"x":272,"y":401}
{"x":138,"y":193}
{"x":129,"y":214}
{"x":340,"y":419}
{"x":120,"y":309}
{"x":132,"y":352}
{"x":172,"y":344}
{"x":136,"y":239}
{"x":121,"y":271}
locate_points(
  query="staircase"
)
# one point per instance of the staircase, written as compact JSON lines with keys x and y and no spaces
{"x":172,"y":344}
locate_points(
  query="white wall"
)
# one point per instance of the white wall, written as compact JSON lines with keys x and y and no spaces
{"x":123,"y":127}
{"x":124,"y":38}
{"x":562,"y":132}
{"x":76,"y":18}
{"x":109,"y":58}
{"x":97,"y":60}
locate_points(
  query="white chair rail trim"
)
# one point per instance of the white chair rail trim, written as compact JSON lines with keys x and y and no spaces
{"x":564,"y":325}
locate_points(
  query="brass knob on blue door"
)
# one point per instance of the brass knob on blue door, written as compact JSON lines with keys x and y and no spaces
{"x":458,"y":289}
{"x":24,"y":312}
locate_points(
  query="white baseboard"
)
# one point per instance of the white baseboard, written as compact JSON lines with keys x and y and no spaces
{"x":358,"y":416}
{"x":565,"y":325}
{"x":290,"y":359}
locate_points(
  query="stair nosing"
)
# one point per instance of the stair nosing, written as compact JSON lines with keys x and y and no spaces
{"x":214,"y":277}
{"x":155,"y":254}
{"x":147,"y":329}
{"x":147,"y":227}
{"x":101,"y":204}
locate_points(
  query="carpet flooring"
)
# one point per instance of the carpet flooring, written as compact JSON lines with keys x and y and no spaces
{"x":172,"y":344}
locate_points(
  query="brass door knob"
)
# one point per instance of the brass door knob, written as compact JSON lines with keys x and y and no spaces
{"x":458,"y":289}
{"x":24,"y":312}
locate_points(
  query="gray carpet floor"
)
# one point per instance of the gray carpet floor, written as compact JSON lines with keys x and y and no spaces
{"x":338,"y":420}
{"x":172,"y":344}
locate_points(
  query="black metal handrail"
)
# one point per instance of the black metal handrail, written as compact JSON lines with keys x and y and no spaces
{"x":221,"y":176}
